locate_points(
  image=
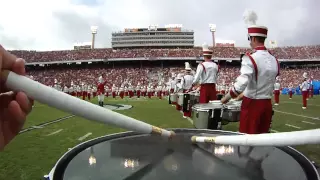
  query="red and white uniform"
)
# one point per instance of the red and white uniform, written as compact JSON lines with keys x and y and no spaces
{"x":186,"y":82}
{"x":138,"y":89}
{"x":126,"y":92}
{"x":276,"y":93}
{"x":89,"y":92}
{"x":114,"y":91}
{"x":206,"y":75}
{"x":304,"y":90}
{"x":290,"y":90}
{"x":121,"y":92}
{"x":100,"y":89}
{"x":79,"y":90}
{"x":159,"y":91}
{"x":223,"y":89}
{"x":258,"y":75}
{"x":172,"y":84}
{"x":130,"y":91}
{"x":66,"y":90}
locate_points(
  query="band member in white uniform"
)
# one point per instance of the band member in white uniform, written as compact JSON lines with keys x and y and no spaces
{"x":290,"y":90}
{"x":178,"y":89}
{"x":258,"y":75}
{"x":304,"y":91}
{"x":276,"y":92}
{"x":187,"y":87}
{"x":206,"y":76}
{"x":187,"y":80}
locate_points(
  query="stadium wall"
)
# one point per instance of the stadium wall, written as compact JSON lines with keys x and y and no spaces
{"x":316,"y":88}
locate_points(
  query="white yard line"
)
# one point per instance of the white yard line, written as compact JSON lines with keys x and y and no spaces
{"x":37,"y":127}
{"x":296,"y":127}
{"x":289,"y":102}
{"x":307,"y":122}
{"x":275,"y":131}
{"x":55,"y":132}
{"x":314,"y":118}
{"x":85,"y":136}
{"x":190,"y":120}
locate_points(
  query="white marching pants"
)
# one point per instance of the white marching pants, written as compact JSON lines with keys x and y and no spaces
{"x":101,"y":97}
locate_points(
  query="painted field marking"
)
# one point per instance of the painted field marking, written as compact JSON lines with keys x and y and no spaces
{"x":85,"y":136}
{"x":37,"y":127}
{"x":289,"y":102}
{"x":314,"y":118}
{"x":307,"y":122}
{"x":55,"y":132}
{"x":296,"y":127}
{"x":275,"y":131}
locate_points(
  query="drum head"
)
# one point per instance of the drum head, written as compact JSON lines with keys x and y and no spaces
{"x":132,"y":156}
{"x":207,"y":106}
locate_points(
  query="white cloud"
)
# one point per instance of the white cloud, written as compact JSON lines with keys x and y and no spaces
{"x":57,"y":24}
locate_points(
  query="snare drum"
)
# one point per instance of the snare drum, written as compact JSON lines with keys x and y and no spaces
{"x":231,"y":111}
{"x":195,"y":99}
{"x":173,"y":98}
{"x":180,"y":99}
{"x":206,"y":116}
{"x":130,"y":155}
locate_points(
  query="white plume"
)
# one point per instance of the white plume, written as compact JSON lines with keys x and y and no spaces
{"x":250,"y":17}
{"x":205,"y":46}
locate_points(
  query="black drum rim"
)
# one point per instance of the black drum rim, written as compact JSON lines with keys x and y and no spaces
{"x":59,"y":169}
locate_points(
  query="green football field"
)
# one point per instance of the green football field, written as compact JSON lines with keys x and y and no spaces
{"x":33,"y":153}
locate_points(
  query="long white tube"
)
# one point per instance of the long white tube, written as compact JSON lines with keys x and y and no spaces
{"x":274,"y":139}
{"x":76,"y":106}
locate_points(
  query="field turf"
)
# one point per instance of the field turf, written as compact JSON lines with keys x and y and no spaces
{"x":32,"y":154}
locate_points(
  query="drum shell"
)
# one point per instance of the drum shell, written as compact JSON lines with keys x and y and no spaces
{"x":232,"y":115}
{"x":200,"y":118}
{"x":173,"y":97}
{"x":194,"y":162}
{"x":180,"y":99}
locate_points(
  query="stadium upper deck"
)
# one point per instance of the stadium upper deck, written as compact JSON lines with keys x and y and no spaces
{"x":172,"y":36}
{"x":299,"y":52}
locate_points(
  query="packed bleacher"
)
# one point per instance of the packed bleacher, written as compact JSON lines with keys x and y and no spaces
{"x":151,"y":75}
{"x":299,"y":52}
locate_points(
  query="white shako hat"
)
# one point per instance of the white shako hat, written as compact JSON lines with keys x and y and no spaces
{"x":187,"y":66}
{"x":305,"y":75}
{"x":205,"y":50}
{"x":250,"y":18}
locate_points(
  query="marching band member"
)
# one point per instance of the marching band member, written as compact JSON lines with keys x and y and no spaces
{"x":258,"y":75}
{"x":143,"y":91}
{"x":121,"y":91}
{"x":172,"y":83}
{"x":276,"y":92}
{"x":164,"y":90}
{"x":66,"y":90}
{"x":89,"y":92}
{"x":311,"y":88}
{"x":187,"y":80}
{"x":94,"y":93}
{"x":131,"y":90}
{"x":290,"y":90}
{"x":114,"y":90}
{"x":159,"y":91}
{"x":138,"y":89}
{"x":304,"y":89}
{"x":149,"y":91}
{"x":126,"y":93}
{"x":79,"y":91}
{"x":178,"y":89}
{"x":107,"y":90}
{"x":84,"y":91}
{"x":71,"y":90}
{"x":101,"y":91}
{"x":223,"y":88}
{"x":55,"y":86}
{"x":206,"y":75}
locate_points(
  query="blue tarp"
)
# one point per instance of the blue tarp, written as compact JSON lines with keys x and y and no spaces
{"x":297,"y":91}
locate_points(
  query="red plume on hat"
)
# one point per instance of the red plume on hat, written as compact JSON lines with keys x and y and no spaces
{"x":250,"y":18}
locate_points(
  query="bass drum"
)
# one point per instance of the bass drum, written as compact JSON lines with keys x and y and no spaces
{"x":132,"y":156}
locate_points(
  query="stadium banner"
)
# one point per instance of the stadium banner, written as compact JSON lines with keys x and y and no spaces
{"x":297,"y":91}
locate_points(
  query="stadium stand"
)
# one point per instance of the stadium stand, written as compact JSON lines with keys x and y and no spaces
{"x":299,"y":52}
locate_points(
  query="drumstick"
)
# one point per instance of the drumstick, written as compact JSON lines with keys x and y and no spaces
{"x":274,"y":139}
{"x":76,"y":106}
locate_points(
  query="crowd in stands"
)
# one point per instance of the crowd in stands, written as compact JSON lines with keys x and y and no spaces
{"x":151,"y":75}
{"x":299,"y":52}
